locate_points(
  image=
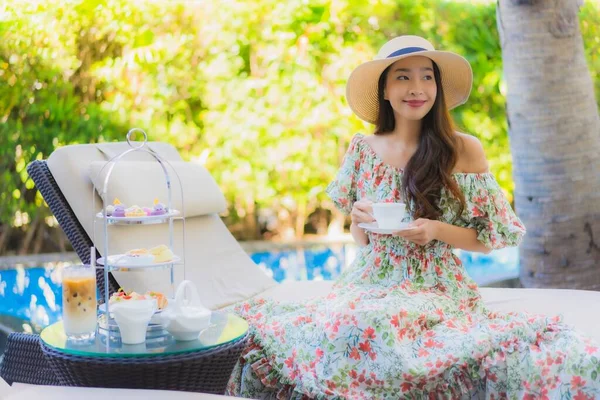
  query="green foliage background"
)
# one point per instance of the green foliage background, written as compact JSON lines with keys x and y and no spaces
{"x":253,"y":89}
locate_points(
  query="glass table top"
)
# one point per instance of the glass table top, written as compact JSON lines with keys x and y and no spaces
{"x":224,"y":328}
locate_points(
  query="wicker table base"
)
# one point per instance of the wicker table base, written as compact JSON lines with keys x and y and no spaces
{"x":200,"y":371}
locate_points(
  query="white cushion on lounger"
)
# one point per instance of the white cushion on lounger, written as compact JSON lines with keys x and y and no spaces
{"x":20,"y":391}
{"x":70,"y":165}
{"x":5,"y":389}
{"x":215,"y":261}
{"x":140,"y":182}
{"x":222,"y":271}
{"x":578,"y":307}
{"x":575,"y":306}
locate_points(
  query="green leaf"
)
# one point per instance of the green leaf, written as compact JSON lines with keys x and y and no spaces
{"x":144,"y":39}
{"x":263,"y":78}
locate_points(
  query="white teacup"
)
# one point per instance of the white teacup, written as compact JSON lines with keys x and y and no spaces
{"x":389,"y":215}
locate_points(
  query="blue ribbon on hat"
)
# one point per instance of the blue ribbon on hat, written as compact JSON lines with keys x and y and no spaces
{"x":406,"y":50}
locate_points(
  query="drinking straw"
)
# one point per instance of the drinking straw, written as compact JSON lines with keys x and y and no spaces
{"x":93,"y":257}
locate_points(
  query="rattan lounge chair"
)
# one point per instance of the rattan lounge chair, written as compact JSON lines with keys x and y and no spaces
{"x":26,"y":360}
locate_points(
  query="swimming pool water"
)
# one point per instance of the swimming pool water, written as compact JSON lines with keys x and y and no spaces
{"x":34,"y":294}
{"x":31,"y":294}
{"x":326,"y":263}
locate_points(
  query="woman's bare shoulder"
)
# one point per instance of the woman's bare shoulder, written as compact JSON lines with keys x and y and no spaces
{"x":371,"y":139}
{"x":471,"y":155}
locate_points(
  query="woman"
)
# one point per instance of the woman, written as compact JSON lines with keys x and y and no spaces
{"x":405,"y":320}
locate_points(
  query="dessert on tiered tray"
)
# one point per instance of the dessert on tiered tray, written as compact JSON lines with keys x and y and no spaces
{"x":122,"y":296}
{"x":120,"y":210}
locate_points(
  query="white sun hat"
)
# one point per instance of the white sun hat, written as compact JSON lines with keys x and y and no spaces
{"x":361,"y":89}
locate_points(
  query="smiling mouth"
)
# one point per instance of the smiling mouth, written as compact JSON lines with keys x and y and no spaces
{"x":415,"y":103}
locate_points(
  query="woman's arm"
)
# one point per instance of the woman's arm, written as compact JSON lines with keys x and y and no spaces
{"x":425,"y":230}
{"x":460,"y":238}
{"x":472,"y":160}
{"x":359,"y":235}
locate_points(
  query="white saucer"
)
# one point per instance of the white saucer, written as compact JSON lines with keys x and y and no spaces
{"x":168,"y":214}
{"x":373,"y":227}
{"x":118,"y":260}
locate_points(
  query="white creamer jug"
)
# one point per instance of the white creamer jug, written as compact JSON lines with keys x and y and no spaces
{"x":132,"y":317}
{"x":186,"y":317}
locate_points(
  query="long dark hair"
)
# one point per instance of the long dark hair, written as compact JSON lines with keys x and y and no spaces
{"x":429,"y":170}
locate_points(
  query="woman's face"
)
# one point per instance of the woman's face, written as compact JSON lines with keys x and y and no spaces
{"x":410,"y":87}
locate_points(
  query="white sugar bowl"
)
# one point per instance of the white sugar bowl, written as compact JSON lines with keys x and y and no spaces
{"x":186,"y":317}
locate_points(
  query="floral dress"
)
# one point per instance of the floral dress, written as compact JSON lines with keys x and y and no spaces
{"x":406,"y":321}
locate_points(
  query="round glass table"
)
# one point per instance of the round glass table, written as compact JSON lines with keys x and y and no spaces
{"x":201,"y":365}
{"x":223,"y":329}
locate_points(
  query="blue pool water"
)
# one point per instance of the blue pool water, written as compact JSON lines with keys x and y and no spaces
{"x":34,"y":295}
{"x":31,"y":294}
{"x":326,"y":263}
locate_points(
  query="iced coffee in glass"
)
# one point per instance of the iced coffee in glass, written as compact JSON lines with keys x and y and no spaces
{"x":79,"y":302}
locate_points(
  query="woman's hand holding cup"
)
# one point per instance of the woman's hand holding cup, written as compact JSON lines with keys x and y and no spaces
{"x":362,"y":212}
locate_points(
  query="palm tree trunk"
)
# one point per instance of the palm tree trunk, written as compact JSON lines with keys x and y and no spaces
{"x":29,"y":235}
{"x":300,"y":219}
{"x":6,"y":230}
{"x":555,"y":142}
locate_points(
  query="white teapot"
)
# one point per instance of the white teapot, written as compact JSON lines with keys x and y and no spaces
{"x":185,"y":317}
